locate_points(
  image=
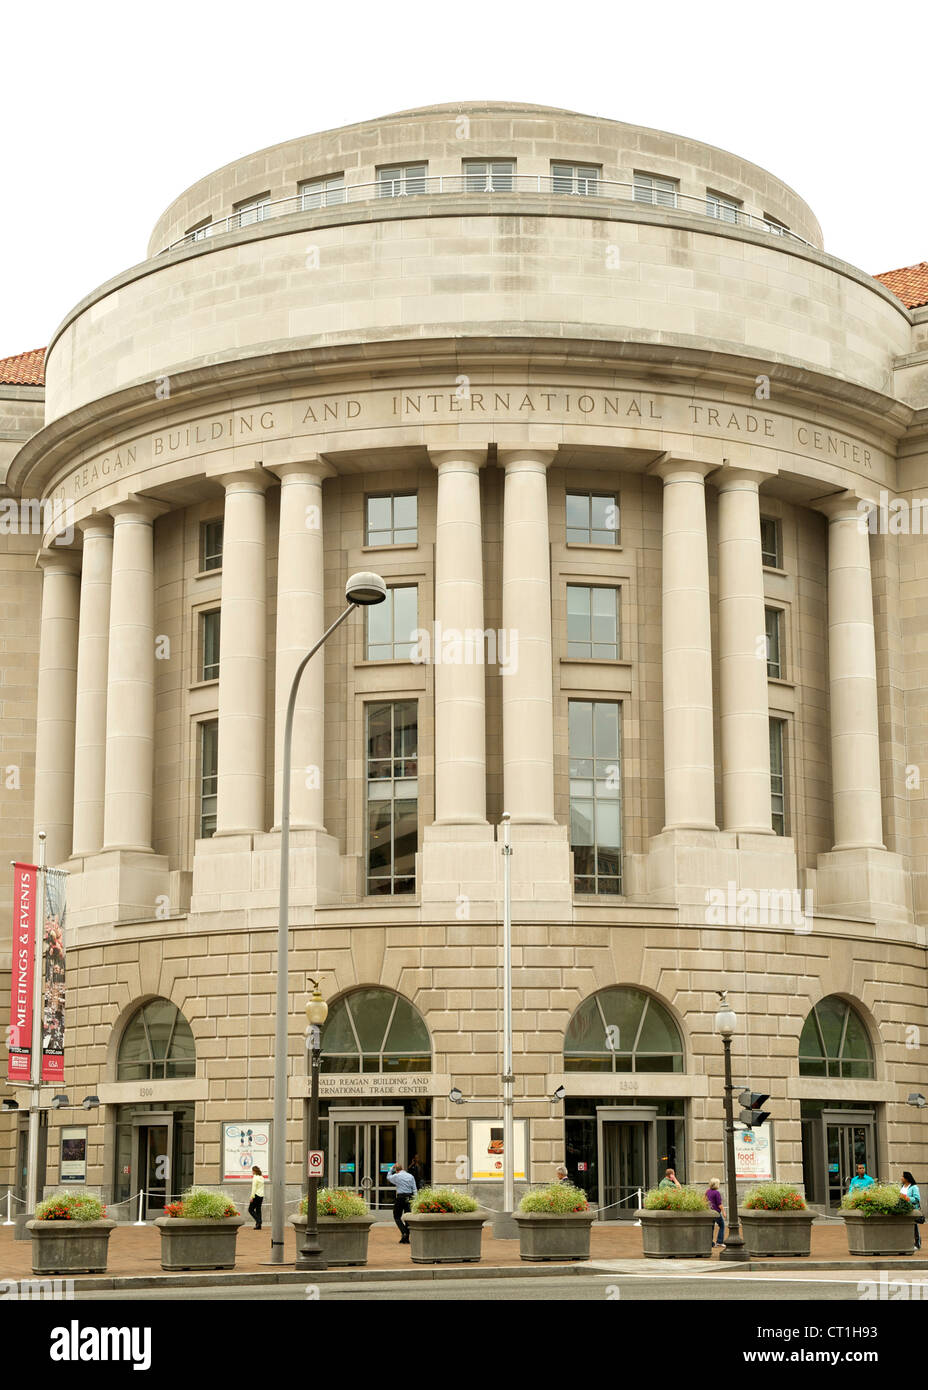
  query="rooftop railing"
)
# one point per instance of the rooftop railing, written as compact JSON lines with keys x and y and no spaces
{"x":430,"y":186}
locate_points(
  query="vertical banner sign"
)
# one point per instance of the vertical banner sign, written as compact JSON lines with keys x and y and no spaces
{"x":19,"y":1039}
{"x":56,"y":887}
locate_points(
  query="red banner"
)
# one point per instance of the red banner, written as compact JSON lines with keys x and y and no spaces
{"x":56,"y":882}
{"x":25,"y":914}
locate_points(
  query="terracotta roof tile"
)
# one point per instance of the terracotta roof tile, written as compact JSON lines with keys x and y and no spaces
{"x":25,"y":369}
{"x":910,"y":284}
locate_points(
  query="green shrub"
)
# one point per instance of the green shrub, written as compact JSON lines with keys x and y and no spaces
{"x":335,"y":1201}
{"x":557,"y":1197}
{"x":675,"y":1199}
{"x":70,"y":1206}
{"x":882,"y":1199}
{"x":442,"y":1199}
{"x":774,"y":1196}
{"x":199,"y":1205}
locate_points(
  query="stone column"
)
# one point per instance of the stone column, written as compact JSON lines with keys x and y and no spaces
{"x":130,"y":695}
{"x":744,"y":716}
{"x":92,"y":659}
{"x":300,"y":623}
{"x":528,"y":709}
{"x":689,"y":767}
{"x":460,"y":688}
{"x":243,"y":658}
{"x":54,"y":734}
{"x":855,"y":740}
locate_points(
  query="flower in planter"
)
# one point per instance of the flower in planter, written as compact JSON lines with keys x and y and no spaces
{"x":881,"y":1199}
{"x":199,"y":1205}
{"x":437,"y":1200}
{"x":70,"y":1206}
{"x":558,"y":1198}
{"x":335,"y":1201}
{"x":774,"y":1196}
{"x":675,"y":1199}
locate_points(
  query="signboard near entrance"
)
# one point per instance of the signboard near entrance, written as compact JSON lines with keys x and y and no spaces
{"x":73,"y":1167}
{"x":486,"y":1150}
{"x":379,"y":1084}
{"x":244,"y":1144}
{"x":754,"y":1153}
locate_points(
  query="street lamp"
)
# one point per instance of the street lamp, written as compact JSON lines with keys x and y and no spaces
{"x":726,"y":1021}
{"x":317,"y":1011}
{"x":361,"y":591}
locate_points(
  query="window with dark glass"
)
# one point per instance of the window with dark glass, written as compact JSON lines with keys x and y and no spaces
{"x":594,"y":740}
{"x":375,"y":1030}
{"x":157,"y":1045}
{"x":770,"y":542}
{"x":489,"y":175}
{"x":592,"y":518}
{"x":777,"y":775}
{"x":209,"y":777}
{"x":834,"y":1042}
{"x":392,"y":797}
{"x":773,"y":620}
{"x":391,"y":626}
{"x":211,"y":545}
{"x":622,"y":1029}
{"x":209,"y":644}
{"x":576,"y":178}
{"x":592,"y":622}
{"x":393,"y":520}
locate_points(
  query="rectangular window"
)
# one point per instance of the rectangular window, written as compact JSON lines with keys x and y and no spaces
{"x":211,"y":545}
{"x":391,"y":625}
{"x":209,"y":776}
{"x":401,"y":179}
{"x":209,"y":644}
{"x":771,"y":552}
{"x":488,"y":175}
{"x":726,"y":209}
{"x":322,"y":193}
{"x":594,"y":736}
{"x":392,"y":520}
{"x":576,"y":178}
{"x":392,"y":797}
{"x":253,"y":209}
{"x":592,"y":518}
{"x":777,"y":776}
{"x":649,"y":188}
{"x":592,"y":622}
{"x":774,"y":225}
{"x":773,"y":621}
{"x":200,"y":230}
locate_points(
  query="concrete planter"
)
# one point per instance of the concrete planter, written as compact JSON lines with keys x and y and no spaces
{"x":777,"y":1232}
{"x":680,"y":1235}
{"x":878,"y":1235}
{"x":445,"y":1238}
{"x":69,"y":1247}
{"x":343,"y":1241}
{"x":554,"y":1235}
{"x":198,"y":1244}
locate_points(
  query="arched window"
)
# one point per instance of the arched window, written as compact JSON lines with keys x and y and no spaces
{"x":157,"y":1045}
{"x":834,"y":1042}
{"x":375,"y":1030}
{"x":622,"y":1029}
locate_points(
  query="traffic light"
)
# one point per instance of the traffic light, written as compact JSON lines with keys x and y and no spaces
{"x":751,"y":1115}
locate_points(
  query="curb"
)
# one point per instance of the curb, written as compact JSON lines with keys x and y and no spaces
{"x":227,"y":1279}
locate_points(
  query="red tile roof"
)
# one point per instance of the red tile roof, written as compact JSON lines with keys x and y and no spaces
{"x":25,"y":369}
{"x":910,"y":284}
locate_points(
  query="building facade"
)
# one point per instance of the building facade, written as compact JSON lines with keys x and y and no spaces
{"x":640,"y":464}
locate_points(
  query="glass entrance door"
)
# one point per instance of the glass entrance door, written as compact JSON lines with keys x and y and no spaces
{"x":363,"y":1152}
{"x":153,"y":1144}
{"x":846,"y":1145}
{"x":624,"y":1165}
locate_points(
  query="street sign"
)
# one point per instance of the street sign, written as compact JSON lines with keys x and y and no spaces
{"x":315,"y":1163}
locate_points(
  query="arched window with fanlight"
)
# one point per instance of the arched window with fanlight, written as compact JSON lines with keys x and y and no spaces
{"x":375,"y":1030}
{"x":834,"y":1042}
{"x":622,"y":1029}
{"x":157,"y":1045}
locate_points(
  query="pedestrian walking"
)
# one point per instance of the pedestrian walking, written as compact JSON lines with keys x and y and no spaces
{"x":406,"y":1189}
{"x":257,"y":1196}
{"x":669,"y":1179}
{"x":714,"y":1198}
{"x":562,"y":1175}
{"x":910,"y":1189}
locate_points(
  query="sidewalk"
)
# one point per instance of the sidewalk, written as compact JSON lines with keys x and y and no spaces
{"x":135,"y":1251}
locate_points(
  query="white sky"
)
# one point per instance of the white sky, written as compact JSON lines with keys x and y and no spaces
{"x":111,"y":109}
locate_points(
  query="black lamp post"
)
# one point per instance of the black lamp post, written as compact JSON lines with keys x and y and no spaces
{"x":317,"y":1011}
{"x":726,"y":1021}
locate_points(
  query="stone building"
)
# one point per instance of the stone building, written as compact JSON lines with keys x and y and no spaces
{"x":640,"y":464}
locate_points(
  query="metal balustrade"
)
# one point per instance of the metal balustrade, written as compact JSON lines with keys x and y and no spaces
{"x":577,"y":187}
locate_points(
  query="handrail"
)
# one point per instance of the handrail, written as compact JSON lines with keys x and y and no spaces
{"x":424,"y":185}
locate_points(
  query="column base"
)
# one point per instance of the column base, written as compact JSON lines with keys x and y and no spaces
{"x":120,"y":885}
{"x":236,"y":872}
{"x":742,"y":874}
{"x":542,"y":872}
{"x":869,"y":883}
{"x":459,"y":873}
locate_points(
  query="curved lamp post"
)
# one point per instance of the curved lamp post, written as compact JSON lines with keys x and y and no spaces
{"x":726,"y":1022}
{"x":361,"y":591}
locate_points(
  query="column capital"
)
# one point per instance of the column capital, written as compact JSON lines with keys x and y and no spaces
{"x":461,"y":460}
{"x":677,"y":467}
{"x":97,"y":524}
{"x":731,"y":478}
{"x":253,"y":479}
{"x":135,"y":507}
{"x":64,"y":560}
{"x":526,"y":458}
{"x":313,"y":469}
{"x":846,"y":505}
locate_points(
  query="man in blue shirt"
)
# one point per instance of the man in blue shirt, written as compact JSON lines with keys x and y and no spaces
{"x":405,"y":1185}
{"x":863,"y":1179}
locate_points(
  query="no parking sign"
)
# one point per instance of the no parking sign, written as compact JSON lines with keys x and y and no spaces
{"x":315,"y":1163}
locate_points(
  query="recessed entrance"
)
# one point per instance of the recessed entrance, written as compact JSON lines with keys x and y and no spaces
{"x":834,"y":1141}
{"x":627,"y":1144}
{"x":363,"y":1147}
{"x":153,"y":1144}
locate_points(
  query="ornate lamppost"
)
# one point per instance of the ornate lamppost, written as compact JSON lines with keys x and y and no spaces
{"x":726,"y":1021}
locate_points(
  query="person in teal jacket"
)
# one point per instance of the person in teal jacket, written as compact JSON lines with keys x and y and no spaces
{"x":863,"y":1179}
{"x":910,"y":1189}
